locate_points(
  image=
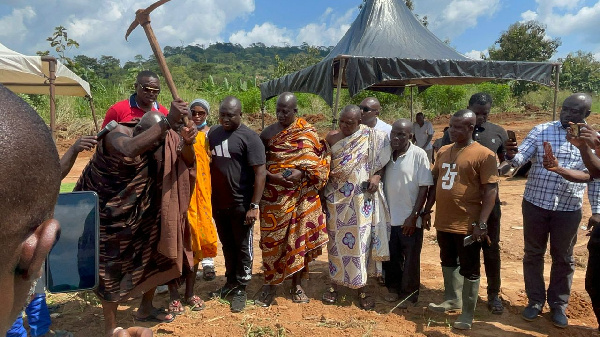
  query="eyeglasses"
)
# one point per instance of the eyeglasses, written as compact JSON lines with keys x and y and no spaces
{"x":149,"y":90}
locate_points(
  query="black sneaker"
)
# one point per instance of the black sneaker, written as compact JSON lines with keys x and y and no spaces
{"x":531,"y":311}
{"x":238,"y":302}
{"x":222,"y":292}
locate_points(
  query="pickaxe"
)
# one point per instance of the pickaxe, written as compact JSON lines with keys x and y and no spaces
{"x":142,"y":17}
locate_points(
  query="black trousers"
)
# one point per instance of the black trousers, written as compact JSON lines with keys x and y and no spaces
{"x":236,"y":241}
{"x":491,"y":253}
{"x":403,"y":270}
{"x":560,"y":228}
{"x":592,"y":275}
{"x":452,"y":249}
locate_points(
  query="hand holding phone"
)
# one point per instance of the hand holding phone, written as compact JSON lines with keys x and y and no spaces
{"x":511,"y":135}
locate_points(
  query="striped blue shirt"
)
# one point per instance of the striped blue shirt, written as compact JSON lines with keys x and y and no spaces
{"x":549,"y":190}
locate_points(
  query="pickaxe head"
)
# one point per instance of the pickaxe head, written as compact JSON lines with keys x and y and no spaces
{"x":142,"y":16}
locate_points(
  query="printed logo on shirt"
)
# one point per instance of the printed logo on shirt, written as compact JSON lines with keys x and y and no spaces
{"x":448,"y":178}
{"x":222,"y":150}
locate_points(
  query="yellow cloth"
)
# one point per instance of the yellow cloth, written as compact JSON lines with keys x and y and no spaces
{"x":204,"y":232}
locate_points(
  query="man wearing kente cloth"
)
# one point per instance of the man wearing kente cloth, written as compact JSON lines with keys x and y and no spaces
{"x":358,"y":220}
{"x":292,"y":223}
{"x":144,"y":233}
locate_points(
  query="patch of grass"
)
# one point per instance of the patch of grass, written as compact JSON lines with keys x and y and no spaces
{"x":67,"y":187}
{"x":251,"y":330}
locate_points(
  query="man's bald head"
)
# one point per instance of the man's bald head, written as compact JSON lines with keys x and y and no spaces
{"x":351,"y":111}
{"x":288,"y":99}
{"x":29,"y":186}
{"x":230,"y":113}
{"x":370,"y":110}
{"x":462,"y":124}
{"x":401,"y":134}
{"x":147,"y":121}
{"x":286,"y":109}
{"x":350,"y":118}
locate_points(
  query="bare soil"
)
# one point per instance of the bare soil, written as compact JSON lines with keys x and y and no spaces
{"x":285,"y":318}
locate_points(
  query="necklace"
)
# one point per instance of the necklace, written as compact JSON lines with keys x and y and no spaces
{"x":458,"y":153}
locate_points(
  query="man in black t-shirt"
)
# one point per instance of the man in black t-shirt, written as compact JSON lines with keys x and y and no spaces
{"x":238,"y":174}
{"x":493,"y":137}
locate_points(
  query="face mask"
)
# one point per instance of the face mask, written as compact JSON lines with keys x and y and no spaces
{"x":201,"y":125}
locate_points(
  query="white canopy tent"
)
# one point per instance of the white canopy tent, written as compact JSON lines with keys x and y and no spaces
{"x":41,"y":75}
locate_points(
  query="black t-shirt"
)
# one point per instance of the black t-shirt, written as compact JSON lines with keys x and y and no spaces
{"x":234,"y":153}
{"x":488,"y":134}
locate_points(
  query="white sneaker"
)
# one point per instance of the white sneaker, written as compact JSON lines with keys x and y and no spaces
{"x":162,"y":289}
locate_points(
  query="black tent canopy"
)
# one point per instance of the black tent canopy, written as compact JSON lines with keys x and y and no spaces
{"x":387,"y":49}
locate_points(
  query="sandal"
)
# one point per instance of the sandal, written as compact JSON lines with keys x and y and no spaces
{"x":330,"y":296}
{"x":195,"y":303}
{"x":208,"y":273}
{"x":176,"y":308}
{"x":299,"y":296}
{"x":264,"y":297}
{"x":154,"y":316}
{"x":366,"y":301}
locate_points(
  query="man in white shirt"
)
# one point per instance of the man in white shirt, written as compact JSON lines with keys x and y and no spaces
{"x":370,"y":115}
{"x":423,"y":133}
{"x":407,"y":178}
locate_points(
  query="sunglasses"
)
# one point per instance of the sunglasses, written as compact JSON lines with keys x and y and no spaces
{"x":366,"y":108}
{"x":149,"y":90}
{"x":196,"y":113}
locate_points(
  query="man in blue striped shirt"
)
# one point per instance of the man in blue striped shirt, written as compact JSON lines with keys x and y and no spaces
{"x":552,"y":207}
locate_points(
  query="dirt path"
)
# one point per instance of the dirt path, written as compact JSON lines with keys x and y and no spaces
{"x":316,"y":319}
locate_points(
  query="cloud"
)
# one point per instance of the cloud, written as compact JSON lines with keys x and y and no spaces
{"x":99,"y":26}
{"x":267,"y":33}
{"x":567,"y":17}
{"x":14,"y":24}
{"x":451,"y":18}
{"x":476,"y":54}
{"x":326,"y":32}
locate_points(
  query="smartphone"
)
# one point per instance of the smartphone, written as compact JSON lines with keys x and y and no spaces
{"x":576,"y":129}
{"x":72,"y":264}
{"x":364,"y":186}
{"x":286,"y":173}
{"x":511,"y":135}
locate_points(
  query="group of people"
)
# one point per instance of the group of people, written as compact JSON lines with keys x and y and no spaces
{"x":168,"y":186}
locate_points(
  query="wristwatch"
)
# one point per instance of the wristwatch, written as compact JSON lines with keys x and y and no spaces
{"x":253,"y":206}
{"x":483,"y":226}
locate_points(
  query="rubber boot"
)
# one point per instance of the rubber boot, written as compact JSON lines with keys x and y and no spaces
{"x":470,"y":293}
{"x":453,"y":285}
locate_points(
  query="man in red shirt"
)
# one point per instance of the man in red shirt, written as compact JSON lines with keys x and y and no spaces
{"x":147,"y":88}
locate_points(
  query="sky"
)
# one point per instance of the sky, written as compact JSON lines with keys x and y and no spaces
{"x":470,"y":26}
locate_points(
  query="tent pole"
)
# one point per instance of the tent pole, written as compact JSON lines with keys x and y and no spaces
{"x":556,"y":79}
{"x":411,"y":103}
{"x":262,"y":110}
{"x":93,"y":113}
{"x":337,"y":94}
{"x":51,"y":80}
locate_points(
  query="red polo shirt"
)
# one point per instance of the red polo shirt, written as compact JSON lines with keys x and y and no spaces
{"x":127,"y":109}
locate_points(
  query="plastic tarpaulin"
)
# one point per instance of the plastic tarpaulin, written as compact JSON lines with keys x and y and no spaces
{"x":386,"y":48}
{"x":29,"y":75}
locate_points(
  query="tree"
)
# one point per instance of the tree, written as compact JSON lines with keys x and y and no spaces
{"x":524,"y":41}
{"x":580,"y":73}
{"x":60,"y":42}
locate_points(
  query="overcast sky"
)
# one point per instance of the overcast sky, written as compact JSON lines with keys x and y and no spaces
{"x":99,"y":26}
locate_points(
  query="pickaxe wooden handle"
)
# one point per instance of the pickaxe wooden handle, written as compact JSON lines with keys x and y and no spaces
{"x":142,"y":17}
